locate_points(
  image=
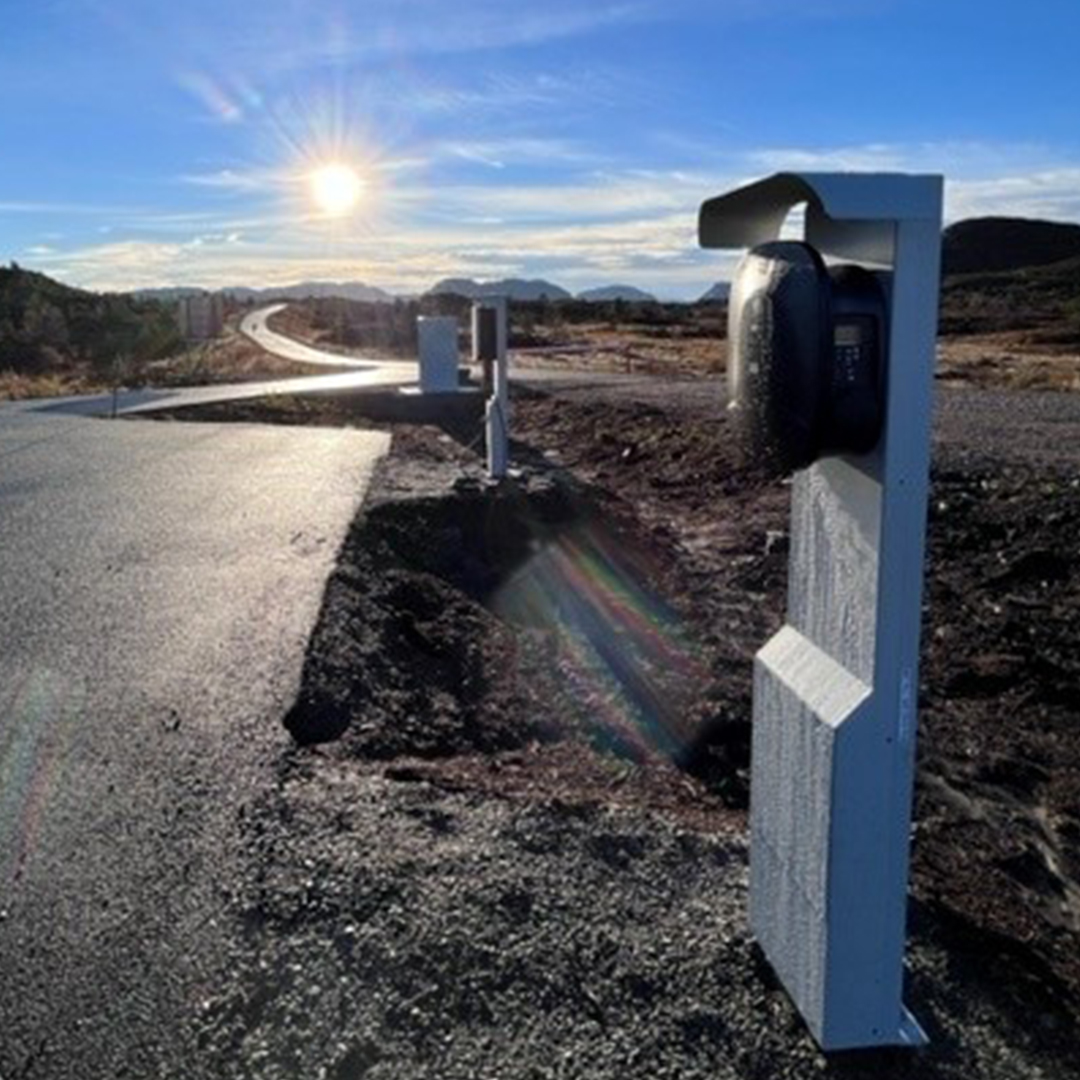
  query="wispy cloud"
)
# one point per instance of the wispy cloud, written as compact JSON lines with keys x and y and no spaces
{"x":18,"y":206}
{"x":1053,"y":194}
{"x":408,"y":258}
{"x":218,"y":53}
{"x":132,"y":216}
{"x":117,"y":265}
{"x":981,"y":178}
{"x":289,"y":36}
{"x":955,"y":158}
{"x":869,"y":158}
{"x":425,"y":28}
{"x":598,"y":196}
{"x":500,"y":153}
{"x":242,"y":181}
{"x":487,"y":95}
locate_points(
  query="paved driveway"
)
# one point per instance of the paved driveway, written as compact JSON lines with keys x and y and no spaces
{"x":158,"y":583}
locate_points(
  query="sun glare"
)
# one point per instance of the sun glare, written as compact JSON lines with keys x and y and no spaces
{"x":335,"y":188}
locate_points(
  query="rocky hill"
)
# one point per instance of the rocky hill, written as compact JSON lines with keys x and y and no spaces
{"x":991,"y":244}
{"x":718,"y":292}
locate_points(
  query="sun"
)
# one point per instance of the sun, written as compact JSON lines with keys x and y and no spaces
{"x":336,"y":188}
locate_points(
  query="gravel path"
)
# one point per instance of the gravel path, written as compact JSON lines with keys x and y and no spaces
{"x":1032,"y":425}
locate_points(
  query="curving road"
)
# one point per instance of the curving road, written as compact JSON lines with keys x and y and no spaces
{"x":255,"y":327}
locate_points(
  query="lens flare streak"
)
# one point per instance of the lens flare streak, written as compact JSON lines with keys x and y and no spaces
{"x":37,"y":718}
{"x":623,"y":651}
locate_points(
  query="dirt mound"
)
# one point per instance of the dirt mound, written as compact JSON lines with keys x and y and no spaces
{"x":467,"y":617}
{"x":406,"y":656}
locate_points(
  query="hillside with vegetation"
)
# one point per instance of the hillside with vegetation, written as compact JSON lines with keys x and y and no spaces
{"x":49,"y":328}
{"x":993,"y":244}
{"x":1012,"y":275}
{"x":1043,"y":301}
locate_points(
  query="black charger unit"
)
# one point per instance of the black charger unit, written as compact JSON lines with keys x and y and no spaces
{"x":807,"y":356}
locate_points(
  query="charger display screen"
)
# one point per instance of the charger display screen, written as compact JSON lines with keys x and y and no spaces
{"x":847,"y":334}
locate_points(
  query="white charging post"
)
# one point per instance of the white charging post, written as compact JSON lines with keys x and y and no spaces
{"x":835,"y":689}
{"x":489,"y":347}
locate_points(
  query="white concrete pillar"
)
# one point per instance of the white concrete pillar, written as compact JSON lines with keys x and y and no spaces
{"x":437,"y":340}
{"x":835,"y":689}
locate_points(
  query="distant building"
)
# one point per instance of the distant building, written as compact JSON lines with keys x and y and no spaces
{"x":201,"y":317}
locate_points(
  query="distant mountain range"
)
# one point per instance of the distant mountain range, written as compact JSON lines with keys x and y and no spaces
{"x":537,"y":289}
{"x":999,"y":274}
{"x":514,"y":288}
{"x":304,"y":290}
{"x":977,"y":245}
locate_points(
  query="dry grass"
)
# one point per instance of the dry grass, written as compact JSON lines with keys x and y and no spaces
{"x":16,"y":386}
{"x":230,"y":358}
{"x":1006,"y":361}
{"x":631,"y":349}
{"x":298,"y":321}
{"x":688,"y":347}
{"x":1003,"y":361}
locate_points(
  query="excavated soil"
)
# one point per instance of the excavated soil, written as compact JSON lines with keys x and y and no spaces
{"x":510,"y":837}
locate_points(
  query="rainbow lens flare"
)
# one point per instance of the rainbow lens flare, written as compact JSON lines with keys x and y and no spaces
{"x":628,"y":662}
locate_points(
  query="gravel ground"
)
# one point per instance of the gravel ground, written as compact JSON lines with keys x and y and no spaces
{"x":532,"y":872}
{"x":397,"y":928}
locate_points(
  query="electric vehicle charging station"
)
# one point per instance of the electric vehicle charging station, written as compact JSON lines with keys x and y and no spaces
{"x":489,"y":349}
{"x":831,"y":373}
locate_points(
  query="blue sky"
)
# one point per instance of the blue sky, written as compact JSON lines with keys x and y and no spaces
{"x":146,"y":143}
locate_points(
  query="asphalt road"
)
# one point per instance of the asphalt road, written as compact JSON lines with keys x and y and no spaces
{"x":158,"y":583}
